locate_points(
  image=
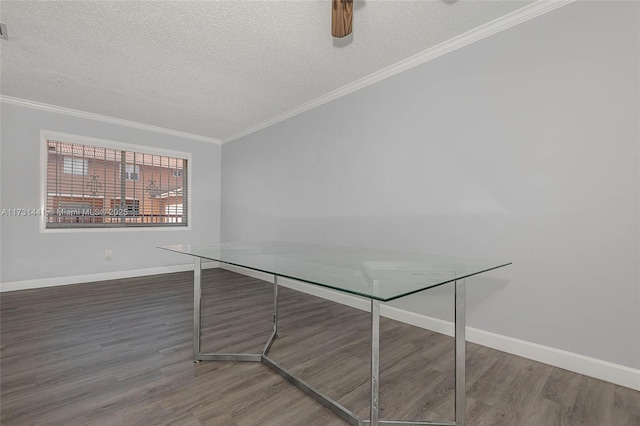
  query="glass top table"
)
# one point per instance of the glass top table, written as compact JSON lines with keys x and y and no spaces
{"x":376,"y":274}
{"x":379,"y":275}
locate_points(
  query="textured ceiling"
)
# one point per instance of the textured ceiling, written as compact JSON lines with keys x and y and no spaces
{"x":212,"y":68}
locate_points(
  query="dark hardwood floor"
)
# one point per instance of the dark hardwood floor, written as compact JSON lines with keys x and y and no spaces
{"x":119,"y":353}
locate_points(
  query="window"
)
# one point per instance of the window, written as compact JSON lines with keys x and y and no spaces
{"x":173,"y":212}
{"x":75,"y":166}
{"x":132,"y":172}
{"x":91,"y":186}
{"x":128,"y":207}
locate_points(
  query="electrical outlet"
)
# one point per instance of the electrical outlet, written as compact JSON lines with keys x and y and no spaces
{"x":107,"y":254}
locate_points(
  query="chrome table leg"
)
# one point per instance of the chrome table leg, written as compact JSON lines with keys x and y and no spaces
{"x":460,"y":390}
{"x":197,"y":296}
{"x":375,"y":360}
{"x":274,"y":333}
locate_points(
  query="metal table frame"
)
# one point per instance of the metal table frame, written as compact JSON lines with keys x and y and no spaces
{"x":347,"y":415}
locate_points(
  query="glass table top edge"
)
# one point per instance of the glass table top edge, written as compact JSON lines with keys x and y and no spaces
{"x":368,"y":295}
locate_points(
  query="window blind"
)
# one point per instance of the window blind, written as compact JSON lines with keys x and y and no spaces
{"x":92,"y":186}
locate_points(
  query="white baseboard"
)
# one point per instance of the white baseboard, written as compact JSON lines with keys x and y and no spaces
{"x":592,"y":367}
{"x":103,"y":276}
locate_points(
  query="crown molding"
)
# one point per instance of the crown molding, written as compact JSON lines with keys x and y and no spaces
{"x":497,"y":25}
{"x":111,"y":120}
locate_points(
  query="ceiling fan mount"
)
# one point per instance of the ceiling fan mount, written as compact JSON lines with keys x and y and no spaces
{"x":341,"y":17}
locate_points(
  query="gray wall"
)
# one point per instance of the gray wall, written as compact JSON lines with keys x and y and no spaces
{"x":28,"y":254}
{"x":523,"y":146}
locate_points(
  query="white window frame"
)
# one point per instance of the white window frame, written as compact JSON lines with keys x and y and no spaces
{"x":46,"y":135}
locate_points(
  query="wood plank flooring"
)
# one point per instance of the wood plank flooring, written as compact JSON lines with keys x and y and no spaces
{"x":119,"y":353}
